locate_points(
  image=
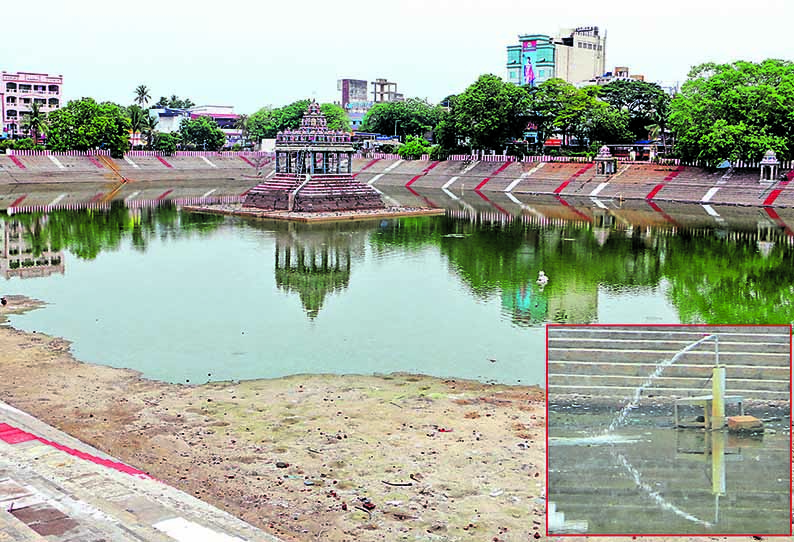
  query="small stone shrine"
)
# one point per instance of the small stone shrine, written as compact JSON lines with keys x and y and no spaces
{"x":769,"y":166}
{"x":606,"y":164}
{"x":313,"y":172}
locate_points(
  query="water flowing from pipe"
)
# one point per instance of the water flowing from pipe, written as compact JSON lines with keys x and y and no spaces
{"x":635,"y":399}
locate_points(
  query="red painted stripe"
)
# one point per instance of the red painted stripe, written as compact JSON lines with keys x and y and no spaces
{"x":574,"y":209}
{"x":13,"y":435}
{"x":424,"y":172}
{"x":18,"y":201}
{"x":656,"y":190}
{"x":562,"y":187}
{"x":776,"y":217}
{"x":17,"y":162}
{"x":247,"y":161}
{"x":94,"y":161}
{"x":369,"y":165}
{"x":166,"y":164}
{"x":572,"y":177}
{"x":659,"y":210}
{"x":790,"y":176}
{"x":500,"y":209}
{"x":164,"y":194}
{"x":494,"y":174}
{"x":770,"y":199}
{"x":246,"y":192}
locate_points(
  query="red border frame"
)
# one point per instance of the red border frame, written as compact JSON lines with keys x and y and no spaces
{"x":688,"y":535}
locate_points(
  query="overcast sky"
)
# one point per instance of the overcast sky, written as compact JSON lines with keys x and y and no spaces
{"x":250,"y":53}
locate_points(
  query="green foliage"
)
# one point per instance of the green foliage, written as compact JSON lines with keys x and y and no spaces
{"x":137,"y":116}
{"x":174,"y":102}
{"x":410,"y":117}
{"x":165,"y":143}
{"x":85,"y":125}
{"x":34,"y":122}
{"x":735,"y":111}
{"x":336,"y":117}
{"x":414,"y":148}
{"x":645,"y":103}
{"x":489,"y":113}
{"x":202,"y":133}
{"x":19,"y":144}
{"x":142,"y":96}
{"x":267,"y":122}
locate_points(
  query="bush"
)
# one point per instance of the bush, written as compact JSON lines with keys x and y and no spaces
{"x":237,"y":147}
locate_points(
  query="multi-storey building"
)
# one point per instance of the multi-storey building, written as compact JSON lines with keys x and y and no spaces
{"x":354,"y":97}
{"x":19,"y":91}
{"x":385,"y":91}
{"x":573,"y":55}
{"x":169,"y":119}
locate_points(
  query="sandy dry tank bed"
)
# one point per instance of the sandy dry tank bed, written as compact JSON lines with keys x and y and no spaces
{"x":307,"y":457}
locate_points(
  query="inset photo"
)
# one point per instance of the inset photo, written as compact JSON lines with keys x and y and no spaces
{"x":675,"y":430}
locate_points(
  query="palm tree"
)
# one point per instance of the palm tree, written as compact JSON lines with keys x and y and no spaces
{"x":242,"y":124}
{"x":142,"y":96}
{"x":137,"y":119}
{"x":35,"y":120}
{"x":150,"y":129}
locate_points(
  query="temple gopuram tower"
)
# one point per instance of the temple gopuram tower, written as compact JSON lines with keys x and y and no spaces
{"x":313,"y":172}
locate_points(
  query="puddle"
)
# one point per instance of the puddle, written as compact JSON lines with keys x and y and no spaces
{"x":652,"y":480}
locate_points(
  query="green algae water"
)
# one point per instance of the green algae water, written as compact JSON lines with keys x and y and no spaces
{"x":190,"y":297}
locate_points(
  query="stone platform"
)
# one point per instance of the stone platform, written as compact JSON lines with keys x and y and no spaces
{"x":324,"y":216}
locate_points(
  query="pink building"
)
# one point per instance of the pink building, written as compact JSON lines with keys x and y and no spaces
{"x":18,"y":91}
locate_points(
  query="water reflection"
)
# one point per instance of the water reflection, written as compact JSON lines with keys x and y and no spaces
{"x":735,"y":269}
{"x":24,"y":256}
{"x":314,"y":260}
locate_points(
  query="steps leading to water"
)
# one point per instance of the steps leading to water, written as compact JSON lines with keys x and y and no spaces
{"x":609,"y":361}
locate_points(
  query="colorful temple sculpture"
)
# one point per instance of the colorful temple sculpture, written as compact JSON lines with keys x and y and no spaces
{"x":313,"y":172}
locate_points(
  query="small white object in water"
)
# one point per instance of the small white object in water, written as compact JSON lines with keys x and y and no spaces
{"x":542,"y":278}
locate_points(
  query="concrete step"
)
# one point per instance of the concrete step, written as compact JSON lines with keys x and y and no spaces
{"x":672,"y":345}
{"x":652,"y":356}
{"x":626,"y":391}
{"x":703,"y":371}
{"x":666,"y":382}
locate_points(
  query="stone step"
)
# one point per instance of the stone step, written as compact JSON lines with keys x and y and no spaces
{"x":652,"y":356}
{"x":626,"y":391}
{"x":752,"y":333}
{"x":703,"y":371}
{"x":672,"y":345}
{"x":666,"y":382}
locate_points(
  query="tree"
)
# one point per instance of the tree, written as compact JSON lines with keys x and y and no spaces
{"x":161,"y":103}
{"x":142,"y":96}
{"x":35,"y":121}
{"x":414,"y":148}
{"x":164,"y":143}
{"x":490,"y":113}
{"x":413,"y":116}
{"x":137,"y":116}
{"x":241,"y":123}
{"x":267,"y":122}
{"x":202,"y":133}
{"x":643,"y":101}
{"x":84,"y":125}
{"x":735,"y":111}
{"x":175,"y":102}
{"x":336,"y":117}
{"x":150,"y":129}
